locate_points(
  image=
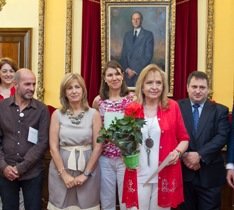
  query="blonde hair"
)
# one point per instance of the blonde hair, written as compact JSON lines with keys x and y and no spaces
{"x":140,"y":82}
{"x":64,"y":85}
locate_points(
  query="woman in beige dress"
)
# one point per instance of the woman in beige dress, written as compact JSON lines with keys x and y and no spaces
{"x":74,"y":172}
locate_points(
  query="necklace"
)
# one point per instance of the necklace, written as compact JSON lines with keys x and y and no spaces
{"x":75,"y":119}
{"x":149,"y":142}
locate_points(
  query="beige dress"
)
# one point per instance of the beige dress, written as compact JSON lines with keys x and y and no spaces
{"x":80,"y":197}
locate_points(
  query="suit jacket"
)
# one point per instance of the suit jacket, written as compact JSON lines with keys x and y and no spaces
{"x":230,"y":144}
{"x":211,"y":136}
{"x":136,"y":55}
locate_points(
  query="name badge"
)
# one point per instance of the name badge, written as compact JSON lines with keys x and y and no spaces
{"x":33,"y":135}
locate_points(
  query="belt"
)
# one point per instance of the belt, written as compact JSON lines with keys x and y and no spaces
{"x":72,"y":163}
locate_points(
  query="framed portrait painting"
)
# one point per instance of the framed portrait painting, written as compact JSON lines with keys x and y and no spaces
{"x":137,"y":33}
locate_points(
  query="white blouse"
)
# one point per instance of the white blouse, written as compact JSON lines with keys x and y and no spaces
{"x":152,"y":129}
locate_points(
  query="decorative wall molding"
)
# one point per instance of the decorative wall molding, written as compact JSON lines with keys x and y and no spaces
{"x":68,"y":55}
{"x":2,"y":3}
{"x":40,"y":77}
{"x":210,"y":44}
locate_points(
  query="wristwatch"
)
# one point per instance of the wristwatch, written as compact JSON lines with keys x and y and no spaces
{"x":88,"y":174}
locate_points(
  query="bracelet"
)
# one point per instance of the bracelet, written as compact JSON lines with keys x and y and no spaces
{"x":60,"y":172}
{"x":179,"y":153}
{"x":87,"y":174}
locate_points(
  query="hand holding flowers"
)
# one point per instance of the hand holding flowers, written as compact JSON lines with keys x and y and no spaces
{"x":125,"y":133}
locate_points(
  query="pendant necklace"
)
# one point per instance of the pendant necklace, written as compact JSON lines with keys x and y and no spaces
{"x":149,"y":143}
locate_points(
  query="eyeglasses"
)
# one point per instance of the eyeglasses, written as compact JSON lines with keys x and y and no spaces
{"x":4,"y":71}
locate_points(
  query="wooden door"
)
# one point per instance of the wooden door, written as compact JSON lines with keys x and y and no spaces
{"x":16,"y":44}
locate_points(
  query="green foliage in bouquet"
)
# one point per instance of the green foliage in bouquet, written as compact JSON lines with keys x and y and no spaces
{"x":125,"y":133}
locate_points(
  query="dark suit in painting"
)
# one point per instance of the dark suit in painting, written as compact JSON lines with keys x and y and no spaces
{"x":137,"y":54}
{"x":203,"y":185}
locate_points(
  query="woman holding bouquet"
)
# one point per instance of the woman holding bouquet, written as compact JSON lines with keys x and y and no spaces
{"x":164,"y":134}
{"x":114,"y":97}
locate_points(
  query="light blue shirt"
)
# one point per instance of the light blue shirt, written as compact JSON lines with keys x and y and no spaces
{"x":199,"y":108}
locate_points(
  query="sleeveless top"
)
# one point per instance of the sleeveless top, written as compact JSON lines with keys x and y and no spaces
{"x":72,"y":134}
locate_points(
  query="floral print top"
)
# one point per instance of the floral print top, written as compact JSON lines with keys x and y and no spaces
{"x":109,"y":149}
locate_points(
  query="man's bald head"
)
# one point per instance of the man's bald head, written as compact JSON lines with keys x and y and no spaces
{"x":23,"y":73}
{"x":25,"y":82}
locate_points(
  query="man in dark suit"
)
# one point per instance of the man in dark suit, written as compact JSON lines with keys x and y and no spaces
{"x":230,"y":155}
{"x":137,"y":50}
{"x":203,"y":166}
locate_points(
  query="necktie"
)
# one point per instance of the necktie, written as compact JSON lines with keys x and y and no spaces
{"x":134,"y":36}
{"x":195,"y":116}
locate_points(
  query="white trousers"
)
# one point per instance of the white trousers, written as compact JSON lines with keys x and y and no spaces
{"x":148,"y":198}
{"x":112,"y":174}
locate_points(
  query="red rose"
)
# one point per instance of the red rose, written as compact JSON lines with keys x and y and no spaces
{"x":134,"y":110}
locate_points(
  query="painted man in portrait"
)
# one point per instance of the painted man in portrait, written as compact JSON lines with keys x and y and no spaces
{"x":137,"y":50}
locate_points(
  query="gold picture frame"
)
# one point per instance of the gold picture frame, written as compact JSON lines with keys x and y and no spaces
{"x":40,"y":77}
{"x":209,"y":20}
{"x":158,"y":16}
{"x":2,"y":3}
{"x":210,"y":44}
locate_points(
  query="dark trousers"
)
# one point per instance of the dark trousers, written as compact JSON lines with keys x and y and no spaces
{"x":32,"y":192}
{"x":200,"y":198}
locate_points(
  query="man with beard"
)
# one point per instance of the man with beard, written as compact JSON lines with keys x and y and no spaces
{"x":24,"y":124}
